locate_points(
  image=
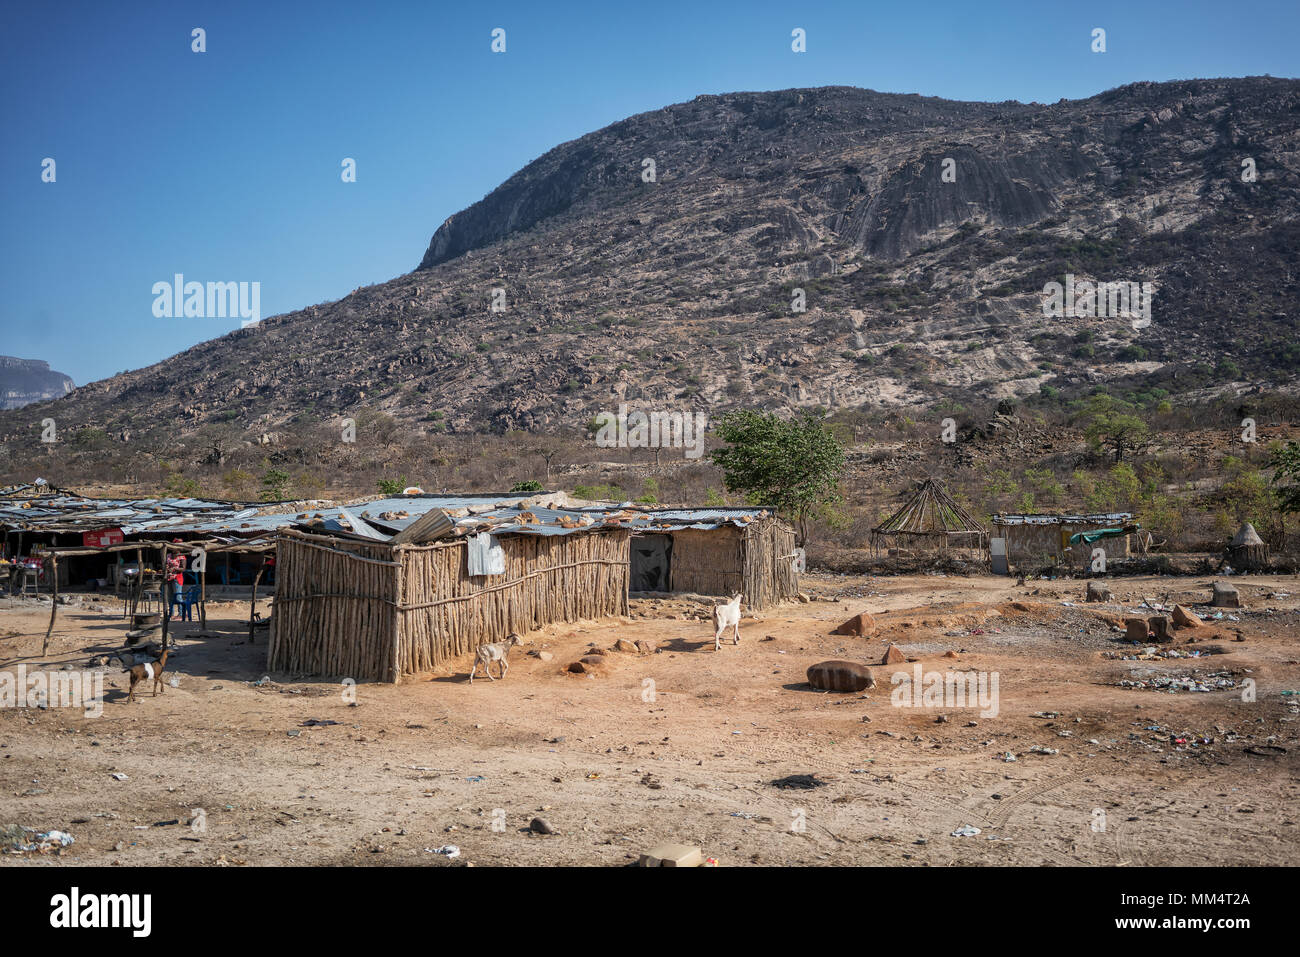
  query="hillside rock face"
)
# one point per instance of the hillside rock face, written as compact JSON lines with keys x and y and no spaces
{"x":917,"y":234}
{"x":24,"y":381}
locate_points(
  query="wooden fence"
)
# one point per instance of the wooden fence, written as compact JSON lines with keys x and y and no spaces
{"x":380,"y":612}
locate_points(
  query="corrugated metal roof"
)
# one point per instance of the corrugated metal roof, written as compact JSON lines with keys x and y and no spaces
{"x":502,"y":513}
{"x":1099,"y":518}
{"x":70,"y":514}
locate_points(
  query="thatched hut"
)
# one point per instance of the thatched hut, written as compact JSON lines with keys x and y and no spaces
{"x":1247,"y":551}
{"x":931,"y":520}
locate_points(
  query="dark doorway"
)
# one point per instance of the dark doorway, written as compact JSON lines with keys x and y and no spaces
{"x":651,"y":563}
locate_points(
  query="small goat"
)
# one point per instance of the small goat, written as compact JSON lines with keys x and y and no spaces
{"x":150,"y":670}
{"x":724,"y":617}
{"x":486,"y":654}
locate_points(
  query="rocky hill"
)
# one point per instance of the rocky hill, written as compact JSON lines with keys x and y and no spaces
{"x":920,"y":233}
{"x":24,"y":381}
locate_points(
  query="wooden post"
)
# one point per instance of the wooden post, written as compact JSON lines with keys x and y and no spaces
{"x":252,"y":603}
{"x":203,"y":592}
{"x":133,"y":594}
{"x":54,"y":602}
{"x":164,"y":587}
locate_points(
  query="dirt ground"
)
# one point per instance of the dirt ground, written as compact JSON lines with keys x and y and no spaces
{"x":683,"y":744}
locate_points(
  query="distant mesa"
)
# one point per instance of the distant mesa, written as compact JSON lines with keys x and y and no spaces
{"x":24,"y":381}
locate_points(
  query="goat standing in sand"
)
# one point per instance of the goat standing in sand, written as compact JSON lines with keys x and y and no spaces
{"x":150,"y":670}
{"x":724,"y":617}
{"x":486,"y":654}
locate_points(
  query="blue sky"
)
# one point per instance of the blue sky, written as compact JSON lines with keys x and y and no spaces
{"x":225,"y":165}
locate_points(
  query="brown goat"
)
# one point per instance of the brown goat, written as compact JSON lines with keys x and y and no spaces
{"x":148,"y":670}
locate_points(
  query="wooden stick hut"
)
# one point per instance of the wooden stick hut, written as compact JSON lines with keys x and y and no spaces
{"x":930,"y":520}
{"x":380,"y":611}
{"x":715,"y":552}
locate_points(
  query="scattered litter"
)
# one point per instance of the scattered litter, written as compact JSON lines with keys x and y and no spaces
{"x":1151,"y":654}
{"x":43,"y":842}
{"x":265,"y":679}
{"x":1039,"y":749}
{"x":318,"y":723}
{"x":1047,"y":714}
{"x":1008,"y":757}
{"x":118,"y":776}
{"x":1213,"y":681}
{"x":475,"y":778}
{"x":965,"y":831}
{"x":447,"y":850}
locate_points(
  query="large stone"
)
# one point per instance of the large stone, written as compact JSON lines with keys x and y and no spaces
{"x":1225,"y":596}
{"x":626,"y":646}
{"x":1097,"y":591}
{"x":1136,"y":629}
{"x":1183,"y":618}
{"x":840,"y":676}
{"x":672,"y":855}
{"x":859,"y":625}
{"x":893,"y":656}
{"x":646,"y":647}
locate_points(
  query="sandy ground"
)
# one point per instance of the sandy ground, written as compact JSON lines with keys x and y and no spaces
{"x":617,"y":765}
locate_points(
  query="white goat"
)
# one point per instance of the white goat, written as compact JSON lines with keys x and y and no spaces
{"x":486,"y":654}
{"x":724,"y":617}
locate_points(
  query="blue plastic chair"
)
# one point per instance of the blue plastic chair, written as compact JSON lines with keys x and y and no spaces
{"x":187,"y":600}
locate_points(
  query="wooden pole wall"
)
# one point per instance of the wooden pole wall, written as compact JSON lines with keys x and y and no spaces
{"x":372,"y":611}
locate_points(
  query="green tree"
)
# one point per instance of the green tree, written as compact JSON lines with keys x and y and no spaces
{"x":392,"y":486}
{"x":1112,"y":425}
{"x":1247,"y":493}
{"x":649,"y":491}
{"x":238,"y":482}
{"x":1045,"y":483}
{"x":1285,"y":460}
{"x":275,"y":485}
{"x":598,"y":493}
{"x":794,"y":466}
